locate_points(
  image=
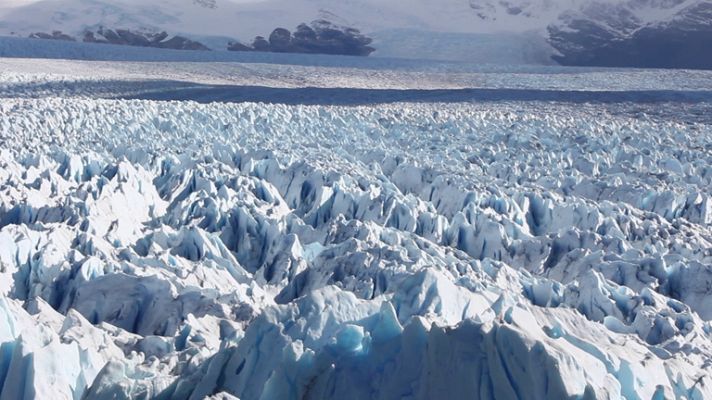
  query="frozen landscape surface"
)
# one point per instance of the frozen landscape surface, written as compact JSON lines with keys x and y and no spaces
{"x":394,"y":232}
{"x":633,"y":33}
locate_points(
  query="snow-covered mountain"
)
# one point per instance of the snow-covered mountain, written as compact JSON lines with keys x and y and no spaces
{"x":670,"y":33}
{"x":581,"y":32}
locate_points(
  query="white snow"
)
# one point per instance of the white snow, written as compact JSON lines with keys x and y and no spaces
{"x":510,"y":247}
{"x":246,"y":18}
{"x":461,"y":30}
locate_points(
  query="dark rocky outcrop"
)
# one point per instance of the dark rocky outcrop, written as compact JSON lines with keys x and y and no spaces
{"x":237,"y":46}
{"x":128,"y":38}
{"x":55,"y":35}
{"x":280,"y":41}
{"x":321,"y":37}
{"x":683,"y":42}
{"x":260,"y":44}
{"x":131,"y":38}
{"x":181,"y":43}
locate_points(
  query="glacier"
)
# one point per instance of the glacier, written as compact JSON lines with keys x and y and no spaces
{"x":532,"y":249}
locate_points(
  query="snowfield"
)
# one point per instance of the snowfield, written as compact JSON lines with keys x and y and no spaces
{"x":496,"y":243}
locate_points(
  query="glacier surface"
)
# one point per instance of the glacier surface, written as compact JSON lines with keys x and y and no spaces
{"x":495,"y":250}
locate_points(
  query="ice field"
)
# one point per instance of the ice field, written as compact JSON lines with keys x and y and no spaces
{"x":378,"y":232}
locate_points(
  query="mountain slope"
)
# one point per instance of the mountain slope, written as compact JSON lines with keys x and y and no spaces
{"x":643,"y":33}
{"x":678,"y":35}
{"x":427,"y":29}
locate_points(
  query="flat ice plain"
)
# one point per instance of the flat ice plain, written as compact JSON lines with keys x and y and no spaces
{"x":381,"y":231}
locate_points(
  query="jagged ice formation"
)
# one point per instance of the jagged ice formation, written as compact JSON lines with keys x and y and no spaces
{"x":180,"y":250}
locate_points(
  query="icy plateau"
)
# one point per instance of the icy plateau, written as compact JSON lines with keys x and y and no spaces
{"x":463,"y":250}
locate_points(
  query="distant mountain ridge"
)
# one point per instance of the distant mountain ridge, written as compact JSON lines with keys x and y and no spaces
{"x":680,"y":35}
{"x":628,"y":33}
